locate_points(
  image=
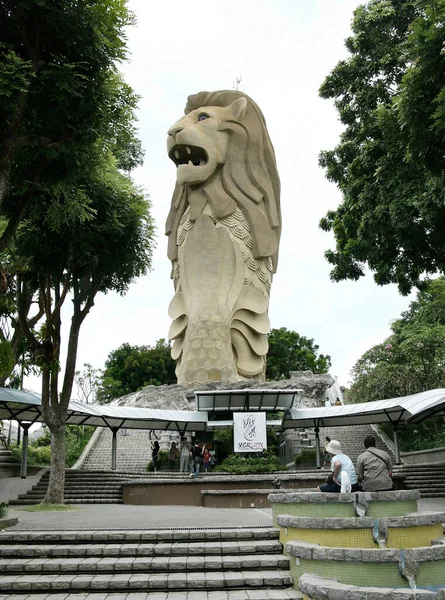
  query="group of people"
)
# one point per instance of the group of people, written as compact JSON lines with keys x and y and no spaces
{"x":373,"y":472}
{"x":191,"y":457}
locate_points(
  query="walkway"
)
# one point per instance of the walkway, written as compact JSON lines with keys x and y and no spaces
{"x":120,"y":516}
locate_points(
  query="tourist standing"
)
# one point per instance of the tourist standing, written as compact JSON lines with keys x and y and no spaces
{"x":206,"y":456}
{"x":374,"y":468}
{"x":197,"y":459}
{"x":173,"y":454}
{"x":184,"y":455}
{"x":342,"y":468}
{"x":154,"y":454}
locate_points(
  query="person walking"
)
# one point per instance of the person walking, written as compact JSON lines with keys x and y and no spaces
{"x":343,"y":470}
{"x":374,"y":468}
{"x":184,"y":455}
{"x":154,"y":454}
{"x":326,"y":455}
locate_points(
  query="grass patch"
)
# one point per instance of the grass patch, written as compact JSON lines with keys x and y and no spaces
{"x":47,"y":508}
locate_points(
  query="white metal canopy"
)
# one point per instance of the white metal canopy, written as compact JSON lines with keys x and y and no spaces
{"x":247,"y":400}
{"x":26,"y":407}
{"x":412,"y":409}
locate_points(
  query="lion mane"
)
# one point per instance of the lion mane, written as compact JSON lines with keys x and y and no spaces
{"x":248,"y":179}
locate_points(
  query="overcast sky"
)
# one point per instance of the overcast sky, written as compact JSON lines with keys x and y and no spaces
{"x":282,"y":50}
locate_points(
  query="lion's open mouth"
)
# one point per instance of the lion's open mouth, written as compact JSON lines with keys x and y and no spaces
{"x":188,"y":155}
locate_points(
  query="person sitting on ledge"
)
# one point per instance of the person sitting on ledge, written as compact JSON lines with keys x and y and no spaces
{"x":374,"y":468}
{"x":340,"y":464}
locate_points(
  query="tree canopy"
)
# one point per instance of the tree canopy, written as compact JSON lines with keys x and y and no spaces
{"x":130,"y":368}
{"x":412,"y":359}
{"x":59,"y":92}
{"x":72,"y":222}
{"x":389,"y":163}
{"x":289,"y":351}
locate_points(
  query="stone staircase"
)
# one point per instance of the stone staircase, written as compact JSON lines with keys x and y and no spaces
{"x":81,"y":487}
{"x":8,"y":464}
{"x":175,"y":564}
{"x":133,"y":450}
{"x":428,"y":479}
{"x":351,"y":439}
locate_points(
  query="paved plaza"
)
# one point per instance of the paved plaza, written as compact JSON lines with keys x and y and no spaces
{"x":121,"y":516}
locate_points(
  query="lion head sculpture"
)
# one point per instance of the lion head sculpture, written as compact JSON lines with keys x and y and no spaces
{"x":224,"y":157}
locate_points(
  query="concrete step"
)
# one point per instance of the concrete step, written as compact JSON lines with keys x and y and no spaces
{"x":162,"y":581}
{"x":196,"y":564}
{"x":27,"y":502}
{"x":147,"y":564}
{"x":136,"y":550}
{"x":123,"y":536}
{"x":276,"y":594}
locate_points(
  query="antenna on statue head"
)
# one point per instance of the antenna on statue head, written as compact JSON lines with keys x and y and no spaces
{"x":237,"y":82}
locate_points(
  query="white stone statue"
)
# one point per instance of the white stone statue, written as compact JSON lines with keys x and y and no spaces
{"x":224,"y":230}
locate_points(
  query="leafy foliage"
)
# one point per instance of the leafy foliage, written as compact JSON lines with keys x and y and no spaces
{"x":162,"y":462}
{"x":412,"y":359}
{"x":288,"y":351}
{"x":389,"y":163}
{"x":307,"y":456}
{"x":3,"y":509}
{"x":130,"y":368}
{"x":238,"y":464}
{"x":39,"y":451}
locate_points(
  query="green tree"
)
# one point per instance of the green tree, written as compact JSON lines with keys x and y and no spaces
{"x":130,"y":368}
{"x":87,"y":382}
{"x":59,"y":92}
{"x":289,"y":351}
{"x":390,"y":162}
{"x":82,"y":259}
{"x":412,"y":359}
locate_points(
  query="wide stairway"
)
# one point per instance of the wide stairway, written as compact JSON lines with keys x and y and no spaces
{"x":133,"y":451}
{"x":176,"y":564}
{"x":82,"y":487}
{"x":351,"y":439}
{"x":428,"y":479}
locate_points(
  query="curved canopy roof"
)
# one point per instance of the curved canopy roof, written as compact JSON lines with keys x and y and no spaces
{"x":413,"y":409}
{"x":26,"y":406}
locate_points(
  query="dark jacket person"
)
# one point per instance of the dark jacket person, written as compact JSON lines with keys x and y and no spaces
{"x":374,"y":468}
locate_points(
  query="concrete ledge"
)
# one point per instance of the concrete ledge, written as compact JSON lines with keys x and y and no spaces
{"x":187,"y":491}
{"x":300,"y":549}
{"x":408,"y":531}
{"x":294,"y":496}
{"x":251,"y":498}
{"x":434,"y":456}
{"x":8,"y":521}
{"x":410,"y":520}
{"x":322,"y":588}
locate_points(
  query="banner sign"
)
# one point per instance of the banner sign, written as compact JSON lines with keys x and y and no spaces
{"x":249,"y":432}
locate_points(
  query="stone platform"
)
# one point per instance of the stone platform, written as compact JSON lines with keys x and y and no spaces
{"x":361,"y":545}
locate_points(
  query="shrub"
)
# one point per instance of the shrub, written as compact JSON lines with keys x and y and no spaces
{"x":39,"y":451}
{"x":162,"y":461}
{"x":307,"y":456}
{"x":3,"y":509}
{"x":239,"y":464}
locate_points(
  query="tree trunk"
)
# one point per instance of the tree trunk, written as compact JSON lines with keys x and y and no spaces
{"x":54,"y":494}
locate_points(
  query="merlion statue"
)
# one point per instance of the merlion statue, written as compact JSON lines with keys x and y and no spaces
{"x":224,"y":230}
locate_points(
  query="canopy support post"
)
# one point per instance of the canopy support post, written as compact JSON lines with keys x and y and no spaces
{"x":317,"y":447}
{"x":24,"y":461}
{"x":396,"y":443}
{"x":114,"y":448}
